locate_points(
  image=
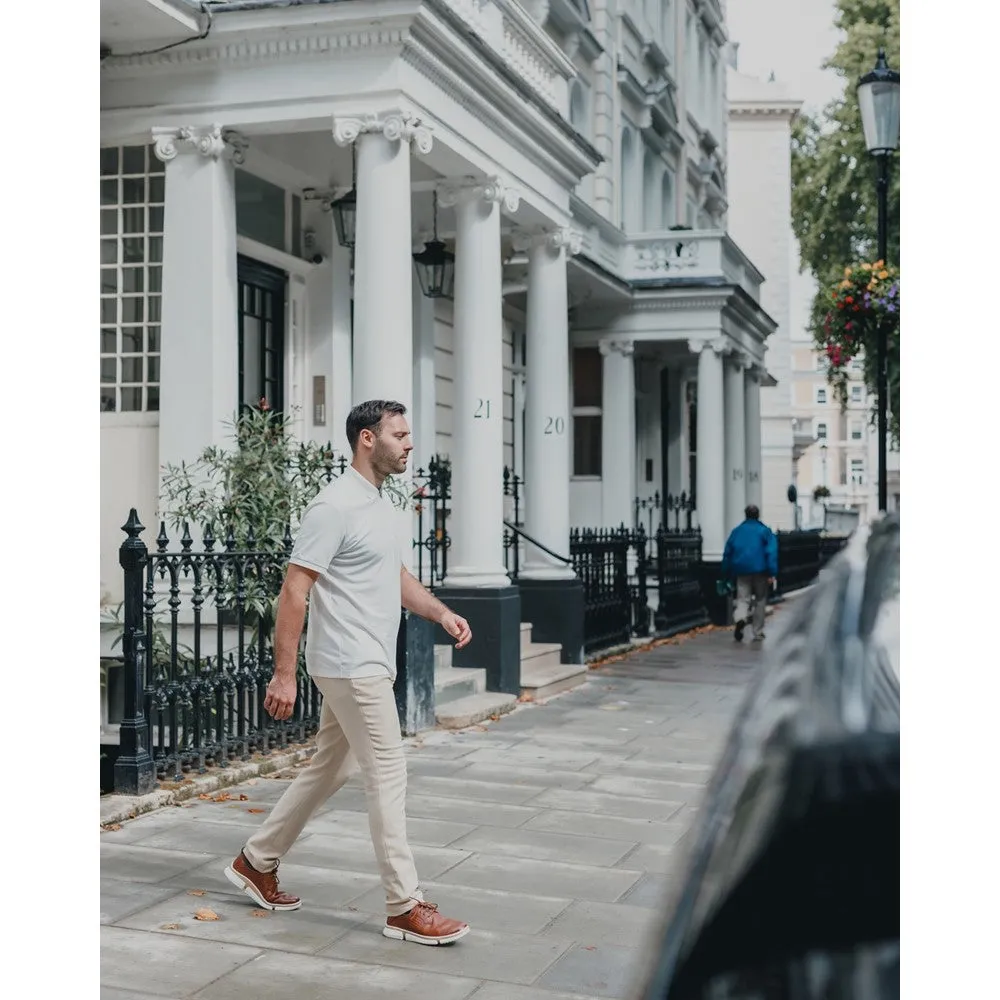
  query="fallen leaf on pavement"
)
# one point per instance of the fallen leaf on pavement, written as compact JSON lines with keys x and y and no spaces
{"x":244,"y":798}
{"x":590,"y":947}
{"x":221,"y":797}
{"x":111,"y":827}
{"x":196,"y":892}
{"x":259,"y":913}
{"x":205,"y":914}
{"x":256,"y":810}
{"x":204,"y":796}
{"x":495,"y":718}
{"x":170,"y":927}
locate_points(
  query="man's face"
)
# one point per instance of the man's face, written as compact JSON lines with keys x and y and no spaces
{"x":392,"y":446}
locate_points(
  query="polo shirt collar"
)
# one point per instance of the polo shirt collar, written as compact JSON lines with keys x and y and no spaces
{"x":368,"y":486}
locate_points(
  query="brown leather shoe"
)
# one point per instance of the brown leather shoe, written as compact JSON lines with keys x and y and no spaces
{"x":424,"y":925}
{"x":261,"y":887}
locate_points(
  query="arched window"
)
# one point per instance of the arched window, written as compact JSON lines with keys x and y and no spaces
{"x":578,"y":116}
{"x":650,"y":193}
{"x":668,"y":207}
{"x":625,"y":181}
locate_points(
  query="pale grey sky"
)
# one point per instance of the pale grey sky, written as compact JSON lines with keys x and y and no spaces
{"x":790,"y":37}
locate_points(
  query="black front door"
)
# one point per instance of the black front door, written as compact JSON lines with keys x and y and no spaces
{"x":261,"y":333}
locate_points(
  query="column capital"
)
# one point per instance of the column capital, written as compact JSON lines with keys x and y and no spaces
{"x":552,"y":240}
{"x":211,"y":141}
{"x":396,"y":126}
{"x":489,"y":189}
{"x":718,"y":344}
{"x":739,"y":359}
{"x":619,"y":345}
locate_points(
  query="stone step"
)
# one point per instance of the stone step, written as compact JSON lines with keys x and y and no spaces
{"x":474,"y":708}
{"x":442,"y":656}
{"x":540,"y":681}
{"x":540,"y":654}
{"x":525,"y":636}
{"x":452,"y":683}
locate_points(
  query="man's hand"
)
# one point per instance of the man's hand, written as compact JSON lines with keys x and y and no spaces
{"x":280,"y":699}
{"x":457,"y":627}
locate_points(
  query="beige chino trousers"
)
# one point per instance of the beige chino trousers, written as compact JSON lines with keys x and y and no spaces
{"x":359,"y":725}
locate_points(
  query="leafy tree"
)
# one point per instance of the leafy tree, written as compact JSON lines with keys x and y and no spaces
{"x":834,"y":208}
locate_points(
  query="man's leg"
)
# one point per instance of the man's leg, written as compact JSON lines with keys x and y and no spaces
{"x":366,"y":709}
{"x":741,"y":606}
{"x":331,"y":765}
{"x":760,"y":589}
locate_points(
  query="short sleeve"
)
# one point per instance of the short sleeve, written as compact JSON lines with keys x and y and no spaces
{"x":320,"y":536}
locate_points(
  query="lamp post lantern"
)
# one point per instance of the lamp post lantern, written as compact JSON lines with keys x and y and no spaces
{"x":878,"y":101}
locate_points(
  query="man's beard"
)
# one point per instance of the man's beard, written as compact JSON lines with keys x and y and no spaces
{"x":383,"y":461}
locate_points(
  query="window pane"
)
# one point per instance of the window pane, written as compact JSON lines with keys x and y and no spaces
{"x":109,"y":341}
{"x":109,"y":280}
{"x":109,"y":192}
{"x":587,"y":446}
{"x":134,"y":160}
{"x":156,"y":220}
{"x":109,"y":310}
{"x":153,"y":309}
{"x":155,"y":279}
{"x":131,"y":341}
{"x":155,"y":165}
{"x":132,"y":310}
{"x":131,"y":371}
{"x":132,"y":279}
{"x":156,"y":189}
{"x":156,"y":249}
{"x":260,"y":210}
{"x":153,"y":339}
{"x":133,"y":250}
{"x":109,"y":251}
{"x":153,"y":369}
{"x":108,"y":370}
{"x":109,"y":221}
{"x":134,"y":190}
{"x":587,"y":378}
{"x":107,"y":401}
{"x":109,"y":161}
{"x":131,"y":399}
{"x":153,"y":398}
{"x":133,"y":220}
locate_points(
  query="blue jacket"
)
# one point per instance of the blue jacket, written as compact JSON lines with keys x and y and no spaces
{"x":751,"y":548}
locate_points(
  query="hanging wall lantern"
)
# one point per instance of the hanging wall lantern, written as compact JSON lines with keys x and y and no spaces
{"x":436,"y":266}
{"x":345,"y":209}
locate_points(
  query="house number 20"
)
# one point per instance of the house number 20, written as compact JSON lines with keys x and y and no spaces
{"x":554,"y":425}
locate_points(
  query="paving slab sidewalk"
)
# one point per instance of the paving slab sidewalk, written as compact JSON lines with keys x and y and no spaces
{"x":557,"y":832}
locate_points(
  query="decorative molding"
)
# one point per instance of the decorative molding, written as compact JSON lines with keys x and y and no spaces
{"x":490,"y":189}
{"x":679,"y":255}
{"x":554,"y":240}
{"x":396,"y":126}
{"x":211,"y":141}
{"x":720,"y":345}
{"x":624,"y":346}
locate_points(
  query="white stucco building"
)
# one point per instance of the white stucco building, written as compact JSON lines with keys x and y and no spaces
{"x":607,"y":335}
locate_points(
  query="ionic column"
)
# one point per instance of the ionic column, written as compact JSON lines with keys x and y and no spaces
{"x":711,"y":455}
{"x":751,"y":405}
{"x":476,"y":523}
{"x":617,"y":432}
{"x":546,"y":411}
{"x":383,"y":263}
{"x":736,"y":447}
{"x":198,"y":359}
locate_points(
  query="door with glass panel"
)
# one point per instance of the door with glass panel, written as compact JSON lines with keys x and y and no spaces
{"x":262,"y":293}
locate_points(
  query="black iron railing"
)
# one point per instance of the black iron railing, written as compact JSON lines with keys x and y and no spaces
{"x":680,"y":604}
{"x":600,"y":558}
{"x":658,"y":510}
{"x":802,"y":554}
{"x":432,"y":506}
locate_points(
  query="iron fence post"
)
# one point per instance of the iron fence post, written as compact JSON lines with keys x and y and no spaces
{"x":134,"y":773}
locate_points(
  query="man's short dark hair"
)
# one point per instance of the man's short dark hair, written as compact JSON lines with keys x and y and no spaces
{"x":752,"y":512}
{"x":369,"y":416}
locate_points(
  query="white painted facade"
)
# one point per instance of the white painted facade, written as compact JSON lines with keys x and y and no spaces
{"x":563,"y":141}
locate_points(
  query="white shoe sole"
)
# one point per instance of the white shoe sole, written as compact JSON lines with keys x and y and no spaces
{"x":398,"y":935}
{"x":251,"y":890}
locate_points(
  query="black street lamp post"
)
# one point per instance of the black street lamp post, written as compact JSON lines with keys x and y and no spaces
{"x":878,"y":100}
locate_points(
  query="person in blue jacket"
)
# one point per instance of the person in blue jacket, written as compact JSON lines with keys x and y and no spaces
{"x":751,"y":556}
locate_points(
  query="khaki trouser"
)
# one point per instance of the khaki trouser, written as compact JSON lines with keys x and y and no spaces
{"x":755,"y":585}
{"x":359,"y":723}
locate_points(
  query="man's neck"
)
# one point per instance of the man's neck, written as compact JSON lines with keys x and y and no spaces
{"x":369,"y":473}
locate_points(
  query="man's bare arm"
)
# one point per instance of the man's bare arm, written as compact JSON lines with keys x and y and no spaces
{"x":280,"y":698}
{"x":418,"y":599}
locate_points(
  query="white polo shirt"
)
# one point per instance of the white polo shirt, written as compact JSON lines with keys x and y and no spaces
{"x":350,"y":535}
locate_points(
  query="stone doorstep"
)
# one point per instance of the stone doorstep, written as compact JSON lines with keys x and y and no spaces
{"x":543,"y":680}
{"x":451,"y":683}
{"x":540,"y":654}
{"x":526,"y":628}
{"x":473,"y":708}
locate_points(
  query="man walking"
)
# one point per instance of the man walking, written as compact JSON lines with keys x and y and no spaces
{"x":751,"y":556}
{"x":347,"y":561}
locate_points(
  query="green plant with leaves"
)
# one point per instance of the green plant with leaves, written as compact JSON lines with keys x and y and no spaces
{"x":821,"y":493}
{"x":834,"y":206}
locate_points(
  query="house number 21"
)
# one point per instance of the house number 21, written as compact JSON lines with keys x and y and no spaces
{"x":482,"y":410}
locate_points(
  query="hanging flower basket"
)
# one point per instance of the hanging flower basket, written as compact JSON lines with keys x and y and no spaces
{"x":863,"y":301}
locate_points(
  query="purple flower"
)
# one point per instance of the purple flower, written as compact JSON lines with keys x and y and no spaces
{"x":892,"y":292}
{"x":891,"y":308}
{"x":881,"y":302}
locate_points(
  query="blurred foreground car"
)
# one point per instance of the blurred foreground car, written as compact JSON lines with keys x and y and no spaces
{"x":791,"y":889}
